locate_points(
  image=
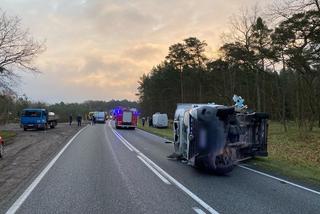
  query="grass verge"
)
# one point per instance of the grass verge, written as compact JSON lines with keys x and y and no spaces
{"x":292,"y":154}
{"x":6,"y":135}
{"x":165,"y":133}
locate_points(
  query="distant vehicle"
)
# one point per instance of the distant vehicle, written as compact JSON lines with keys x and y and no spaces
{"x":125,"y":117}
{"x":90,"y":115}
{"x":1,"y":147}
{"x":160,"y":120}
{"x":38,"y":119}
{"x":100,"y":117}
{"x":216,"y":137}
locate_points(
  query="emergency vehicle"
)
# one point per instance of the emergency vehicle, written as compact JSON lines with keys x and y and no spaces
{"x":125,"y":117}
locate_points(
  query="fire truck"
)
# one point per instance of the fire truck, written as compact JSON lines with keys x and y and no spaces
{"x":125,"y":117}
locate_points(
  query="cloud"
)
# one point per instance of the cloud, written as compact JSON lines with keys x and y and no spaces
{"x":99,"y":49}
{"x":145,"y":52}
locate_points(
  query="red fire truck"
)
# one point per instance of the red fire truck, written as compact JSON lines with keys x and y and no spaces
{"x":125,"y":117}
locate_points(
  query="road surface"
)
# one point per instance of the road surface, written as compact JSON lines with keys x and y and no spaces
{"x":103,"y":170}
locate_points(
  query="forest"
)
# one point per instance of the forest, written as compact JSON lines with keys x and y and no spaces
{"x":271,"y":60}
{"x":11,"y":107}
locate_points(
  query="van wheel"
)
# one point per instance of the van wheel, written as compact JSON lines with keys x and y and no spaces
{"x":219,"y":165}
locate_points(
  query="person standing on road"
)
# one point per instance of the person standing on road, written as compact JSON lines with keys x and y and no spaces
{"x":70,"y":119}
{"x":143,"y":121}
{"x":79,"y":119}
{"x":93,"y":120}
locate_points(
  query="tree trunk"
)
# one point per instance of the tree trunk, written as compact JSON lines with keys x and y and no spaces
{"x":258,"y":92}
{"x":284,"y":119}
{"x":181,"y":85}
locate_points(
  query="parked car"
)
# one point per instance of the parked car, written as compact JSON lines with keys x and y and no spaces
{"x":1,"y":147}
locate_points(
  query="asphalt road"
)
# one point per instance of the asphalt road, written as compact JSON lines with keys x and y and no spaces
{"x":104,"y":170}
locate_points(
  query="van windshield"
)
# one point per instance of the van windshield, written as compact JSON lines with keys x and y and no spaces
{"x":31,"y":113}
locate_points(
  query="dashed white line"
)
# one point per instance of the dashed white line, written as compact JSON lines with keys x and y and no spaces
{"x":169,"y":177}
{"x":154,"y":171}
{"x":198,"y":210}
{"x":279,"y":179}
{"x":17,"y":204}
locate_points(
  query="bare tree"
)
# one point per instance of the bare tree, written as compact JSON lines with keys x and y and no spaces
{"x":280,"y":10}
{"x":241,"y":27}
{"x":17,"y":50}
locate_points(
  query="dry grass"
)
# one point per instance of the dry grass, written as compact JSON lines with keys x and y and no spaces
{"x":7,"y":134}
{"x":293,"y":153}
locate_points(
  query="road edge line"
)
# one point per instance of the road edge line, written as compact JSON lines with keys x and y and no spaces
{"x":198,"y":210}
{"x":17,"y":204}
{"x":154,"y":135}
{"x":279,"y":179}
{"x":260,"y":172}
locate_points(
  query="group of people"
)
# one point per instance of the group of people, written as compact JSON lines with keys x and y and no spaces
{"x":79,"y":120}
{"x":149,"y":120}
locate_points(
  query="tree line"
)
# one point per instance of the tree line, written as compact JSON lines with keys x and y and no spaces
{"x":275,"y":69}
{"x":12,"y":106}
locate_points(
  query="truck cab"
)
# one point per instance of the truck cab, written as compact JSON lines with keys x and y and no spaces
{"x":37,"y":119}
{"x":34,"y":118}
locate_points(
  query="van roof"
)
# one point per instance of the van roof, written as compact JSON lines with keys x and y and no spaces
{"x":34,"y":109}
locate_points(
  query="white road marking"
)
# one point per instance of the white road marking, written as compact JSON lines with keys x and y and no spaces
{"x":171,"y":179}
{"x":279,"y":179}
{"x":154,"y":171}
{"x":270,"y":176}
{"x":122,"y":141}
{"x":198,"y":210}
{"x":17,"y":204}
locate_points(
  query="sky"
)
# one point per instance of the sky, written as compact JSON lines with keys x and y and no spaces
{"x":98,"y":49}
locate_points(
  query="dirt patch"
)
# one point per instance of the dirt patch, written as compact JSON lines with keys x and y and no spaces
{"x":26,"y":154}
